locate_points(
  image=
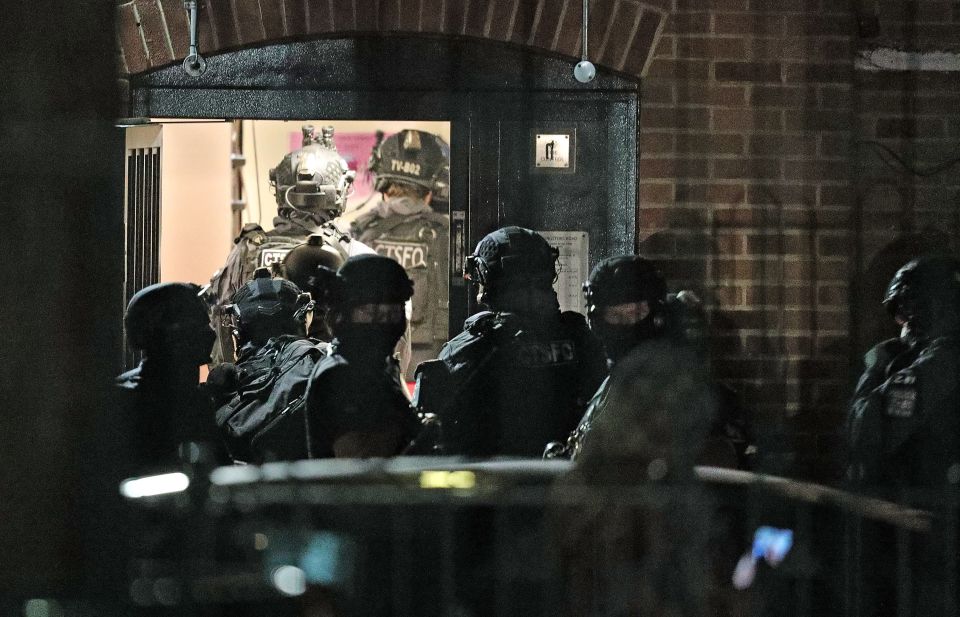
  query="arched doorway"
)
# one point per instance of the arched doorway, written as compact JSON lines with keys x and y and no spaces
{"x":505,"y":103}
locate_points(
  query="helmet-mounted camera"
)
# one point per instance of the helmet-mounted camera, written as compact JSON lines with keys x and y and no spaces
{"x":314,"y":178}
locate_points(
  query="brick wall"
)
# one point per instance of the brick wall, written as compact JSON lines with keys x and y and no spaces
{"x":763,"y":181}
{"x":758,"y":191}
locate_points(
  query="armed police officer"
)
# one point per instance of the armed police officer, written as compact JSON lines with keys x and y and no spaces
{"x":261,"y":399}
{"x":357,"y":406}
{"x":311,"y":187}
{"x":163,"y":404}
{"x":904,"y":434}
{"x":905,"y":417}
{"x":519,"y":375}
{"x":313,"y":268}
{"x":411,"y":225}
{"x":630,"y":311}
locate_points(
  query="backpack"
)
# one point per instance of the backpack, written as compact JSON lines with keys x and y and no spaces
{"x":265,"y":418}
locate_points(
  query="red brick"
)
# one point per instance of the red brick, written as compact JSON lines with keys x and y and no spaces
{"x":272,"y":14}
{"x":656,"y":143}
{"x":134,"y":51}
{"x":220,"y":13}
{"x":781,"y":194}
{"x":818,"y":73}
{"x":699,"y":143}
{"x":342,"y":17}
{"x":730,"y":296}
{"x":683,"y":269}
{"x":154,"y":32}
{"x":659,"y":244}
{"x":689,"y":23}
{"x":673,"y":168}
{"x":523,"y":21}
{"x":779,"y":6}
{"x":431,"y":16}
{"x":568,"y":30}
{"x":639,"y":52}
{"x":456,"y":14}
{"x":653,"y":91}
{"x":666,"y":48}
{"x":679,"y":69}
{"x":742,"y":216}
{"x":711,"y":48}
{"x":836,"y":196}
{"x":178,"y":25}
{"x":818,"y":120}
{"x":548,"y":18}
{"x":782,"y":96}
{"x":679,"y":118}
{"x":834,"y":245}
{"x":714,"y":6}
{"x":619,"y":38}
{"x":748,"y":23}
{"x":660,"y":193}
{"x":711,"y":193}
{"x":747,"y":71}
{"x":746,"y":120}
{"x":673,"y":216}
{"x":249,"y":20}
{"x":727,"y":244}
{"x":501,"y":20}
{"x":715,"y":95}
{"x":835,"y":146}
{"x":602,"y":13}
{"x":818,"y":171}
{"x":837,"y":97}
{"x":367,"y":15}
{"x":783,"y":145}
{"x":388,"y":15}
{"x":747,"y":168}
{"x":908,"y":128}
{"x":834,"y":24}
{"x":833,"y":295}
{"x":821,"y":218}
{"x":409,"y":15}
{"x":295,"y":16}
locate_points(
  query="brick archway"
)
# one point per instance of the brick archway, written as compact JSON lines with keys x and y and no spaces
{"x":623,"y":33}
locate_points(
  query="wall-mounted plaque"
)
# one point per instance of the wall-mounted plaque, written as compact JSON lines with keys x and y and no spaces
{"x":555,"y":151}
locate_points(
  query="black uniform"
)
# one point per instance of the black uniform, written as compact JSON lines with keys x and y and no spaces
{"x":511,"y":383}
{"x":904,"y":437}
{"x":362,"y":396}
{"x":408,"y":231}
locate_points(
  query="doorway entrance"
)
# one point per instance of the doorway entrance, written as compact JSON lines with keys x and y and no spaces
{"x":530,"y":146}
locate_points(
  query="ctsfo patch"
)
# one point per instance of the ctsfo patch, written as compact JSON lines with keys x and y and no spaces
{"x":407,"y":254}
{"x":271,"y":257}
{"x":546,"y":354}
{"x":901,"y":396}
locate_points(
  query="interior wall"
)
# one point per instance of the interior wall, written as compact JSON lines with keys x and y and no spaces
{"x":266,"y":142}
{"x":195,"y":234}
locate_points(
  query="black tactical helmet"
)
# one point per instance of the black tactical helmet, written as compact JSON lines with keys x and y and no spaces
{"x":622,"y":279}
{"x":269,"y":299}
{"x":162,"y":308}
{"x":924,"y":289}
{"x":314,"y":178}
{"x":512,"y":255}
{"x":372,"y":278}
{"x":413,"y":157}
{"x":312,"y":266}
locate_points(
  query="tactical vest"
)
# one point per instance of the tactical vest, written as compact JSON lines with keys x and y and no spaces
{"x":420,"y":243}
{"x":255,"y":248}
{"x":502,"y":388}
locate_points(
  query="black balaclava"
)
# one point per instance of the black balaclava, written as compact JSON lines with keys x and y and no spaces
{"x":620,"y":280}
{"x":369,"y":279}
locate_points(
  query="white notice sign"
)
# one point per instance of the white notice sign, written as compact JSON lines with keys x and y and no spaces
{"x":574,"y":266}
